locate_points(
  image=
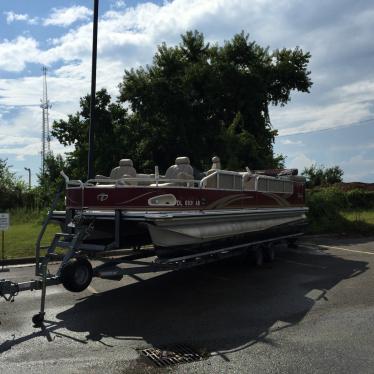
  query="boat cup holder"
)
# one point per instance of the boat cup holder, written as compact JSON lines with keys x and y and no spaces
{"x":163,"y":200}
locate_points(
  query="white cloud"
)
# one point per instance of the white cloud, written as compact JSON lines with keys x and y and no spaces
{"x":300,"y":161}
{"x":357,"y":168}
{"x":32,"y":148}
{"x":66,"y":16}
{"x":16,"y":53}
{"x":12,"y":17}
{"x":20,"y":136}
{"x":118,"y":4}
{"x":291,"y":142}
{"x":7,"y":140}
{"x":304,"y":118}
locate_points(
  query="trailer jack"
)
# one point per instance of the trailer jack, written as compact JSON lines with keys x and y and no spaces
{"x":71,"y":243}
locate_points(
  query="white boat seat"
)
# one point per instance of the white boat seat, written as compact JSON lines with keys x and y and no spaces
{"x":181,"y":170}
{"x":125,"y":169}
{"x":216,"y":163}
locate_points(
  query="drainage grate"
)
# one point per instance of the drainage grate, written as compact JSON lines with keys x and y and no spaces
{"x":173,"y":355}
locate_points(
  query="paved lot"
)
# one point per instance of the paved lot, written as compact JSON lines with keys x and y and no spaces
{"x":311,"y":311}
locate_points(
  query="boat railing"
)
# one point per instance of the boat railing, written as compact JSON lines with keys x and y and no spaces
{"x":282,"y":184}
{"x":217,"y":177}
{"x":71,"y":182}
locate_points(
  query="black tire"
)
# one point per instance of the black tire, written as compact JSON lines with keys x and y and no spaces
{"x":269,"y":254}
{"x":292,"y":243}
{"x":76,"y":275}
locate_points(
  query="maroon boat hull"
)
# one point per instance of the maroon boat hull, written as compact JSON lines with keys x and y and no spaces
{"x":136,"y":198}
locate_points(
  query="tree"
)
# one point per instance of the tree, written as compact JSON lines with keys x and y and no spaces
{"x":321,"y":176}
{"x":111,"y":135}
{"x":333,"y":175}
{"x":200,"y":100}
{"x":197,"y":100}
{"x":50,"y":180}
{"x":12,"y":188}
{"x":8,"y":179}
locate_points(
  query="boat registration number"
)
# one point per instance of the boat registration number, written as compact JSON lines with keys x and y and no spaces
{"x":188,"y":203}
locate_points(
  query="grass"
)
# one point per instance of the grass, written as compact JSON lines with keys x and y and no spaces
{"x":25,"y":226}
{"x":347,"y":222}
{"x":21,"y":236}
{"x":366,"y":216}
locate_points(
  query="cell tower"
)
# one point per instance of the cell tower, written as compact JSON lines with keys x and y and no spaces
{"x":45,"y":105}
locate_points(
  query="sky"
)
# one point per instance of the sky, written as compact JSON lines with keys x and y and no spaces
{"x":333,"y":125}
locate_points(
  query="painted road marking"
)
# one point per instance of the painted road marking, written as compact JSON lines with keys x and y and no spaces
{"x":305,"y":264}
{"x":343,"y":249}
{"x":311,"y":249}
{"x":91,"y":289}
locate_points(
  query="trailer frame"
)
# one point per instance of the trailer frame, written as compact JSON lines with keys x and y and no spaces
{"x":109,"y":268}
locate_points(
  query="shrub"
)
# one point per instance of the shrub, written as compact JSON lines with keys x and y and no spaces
{"x":324,"y":209}
{"x":327,"y":202}
{"x":360,"y":199}
{"x":326,"y":206}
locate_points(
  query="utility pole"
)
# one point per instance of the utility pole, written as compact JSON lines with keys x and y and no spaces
{"x":91,"y":145}
{"x":29,"y":170}
{"x":45,"y":105}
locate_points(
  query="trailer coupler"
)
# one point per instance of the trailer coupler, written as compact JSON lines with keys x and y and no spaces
{"x":9,"y":290}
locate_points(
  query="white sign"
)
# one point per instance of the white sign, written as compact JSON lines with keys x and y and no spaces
{"x":4,"y":221}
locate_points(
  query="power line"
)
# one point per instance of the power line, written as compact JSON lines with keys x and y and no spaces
{"x":344,"y":126}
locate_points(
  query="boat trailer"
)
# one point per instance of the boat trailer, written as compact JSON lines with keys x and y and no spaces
{"x":75,"y":271}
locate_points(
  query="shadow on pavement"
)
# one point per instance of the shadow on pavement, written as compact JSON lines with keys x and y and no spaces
{"x":225,"y":305}
{"x":221,"y":307}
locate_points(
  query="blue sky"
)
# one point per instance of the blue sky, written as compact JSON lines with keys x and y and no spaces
{"x":333,"y":125}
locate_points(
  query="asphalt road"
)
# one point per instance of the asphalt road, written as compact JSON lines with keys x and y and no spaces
{"x":310,"y":311}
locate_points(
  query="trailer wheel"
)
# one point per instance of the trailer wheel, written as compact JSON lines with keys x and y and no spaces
{"x":269,"y":254}
{"x":76,"y":275}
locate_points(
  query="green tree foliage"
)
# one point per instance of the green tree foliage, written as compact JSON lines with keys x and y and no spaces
{"x":8,"y":180}
{"x":50,"y":180}
{"x":13,"y":191}
{"x":110,"y":142}
{"x":197,"y":100}
{"x":322,"y":176}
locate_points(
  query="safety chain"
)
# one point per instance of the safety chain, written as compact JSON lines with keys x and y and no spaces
{"x":8,"y":290}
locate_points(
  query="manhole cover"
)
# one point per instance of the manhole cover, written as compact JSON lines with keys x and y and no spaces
{"x":172,"y":355}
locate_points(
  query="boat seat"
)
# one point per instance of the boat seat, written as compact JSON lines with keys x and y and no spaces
{"x":181,"y":170}
{"x":216,"y":165}
{"x":125,"y":169}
